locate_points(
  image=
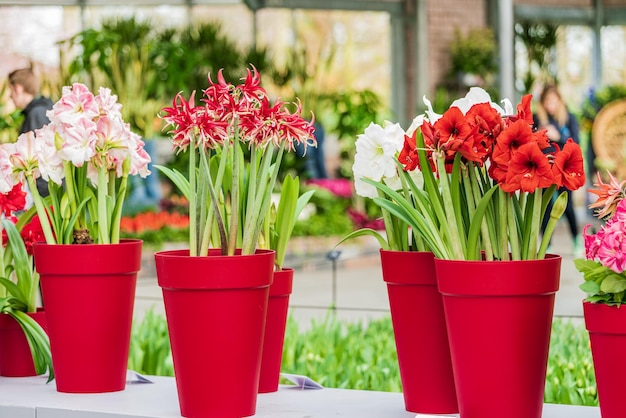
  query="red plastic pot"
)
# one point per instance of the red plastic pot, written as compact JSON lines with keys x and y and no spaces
{"x":88,"y":292}
{"x":499,"y":317}
{"x":420,"y":332}
{"x":275,"y":324}
{"x":16,"y":359}
{"x":216,"y":308}
{"x":607,"y":333}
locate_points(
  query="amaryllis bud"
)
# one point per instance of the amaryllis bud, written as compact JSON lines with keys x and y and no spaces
{"x":559,"y":207}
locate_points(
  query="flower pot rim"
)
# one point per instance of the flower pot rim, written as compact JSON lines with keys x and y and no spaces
{"x":123,"y":241}
{"x":499,"y":278}
{"x":548,"y":257}
{"x":176,"y":269}
{"x":184,"y":253}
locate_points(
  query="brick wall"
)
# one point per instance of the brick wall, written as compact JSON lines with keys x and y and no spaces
{"x":443,"y":17}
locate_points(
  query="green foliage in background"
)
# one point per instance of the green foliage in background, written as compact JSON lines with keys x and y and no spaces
{"x":539,"y":40}
{"x":150,"y":351}
{"x":10,"y":121}
{"x":330,"y":217}
{"x":570,"y":378}
{"x":596,"y":101}
{"x":344,"y":355}
{"x":363,"y":356}
{"x":474,"y":52}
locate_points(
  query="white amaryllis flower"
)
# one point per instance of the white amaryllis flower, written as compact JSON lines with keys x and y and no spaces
{"x":477,"y":95}
{"x":376,"y":151}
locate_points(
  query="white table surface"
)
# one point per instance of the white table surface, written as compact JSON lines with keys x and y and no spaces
{"x":31,"y":397}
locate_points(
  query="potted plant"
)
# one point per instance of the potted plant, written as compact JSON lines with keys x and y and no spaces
{"x":603,"y":270}
{"x":409,"y":271}
{"x":24,"y":344}
{"x":86,"y":153}
{"x":486,"y":186}
{"x":278,"y":229}
{"x":235,"y":139}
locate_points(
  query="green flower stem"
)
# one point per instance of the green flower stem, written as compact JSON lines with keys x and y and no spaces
{"x":557,"y":211}
{"x":266,"y":200}
{"x":234,"y":198}
{"x":70,"y":188}
{"x":212,"y":210}
{"x":502,"y":226}
{"x":535,"y":225}
{"x":119,"y":200}
{"x":390,"y":228}
{"x":103,"y":218}
{"x":485,"y":230}
{"x":513,"y":235}
{"x":455,"y":236}
{"x":265,"y":185}
{"x":41,"y":210}
{"x":252,"y":178}
{"x":193,"y":220}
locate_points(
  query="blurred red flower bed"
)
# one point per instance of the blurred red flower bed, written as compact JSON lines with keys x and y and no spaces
{"x":153,"y":221}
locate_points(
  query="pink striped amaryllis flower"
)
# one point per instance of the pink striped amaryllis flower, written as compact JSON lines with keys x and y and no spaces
{"x":86,"y":154}
{"x":236,"y":137}
{"x":604,"y":266}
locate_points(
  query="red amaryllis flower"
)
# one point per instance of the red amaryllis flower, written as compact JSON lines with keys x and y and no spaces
{"x":510,"y":140}
{"x":13,"y":201}
{"x":32,"y":233}
{"x":408,"y":156}
{"x":568,"y":166}
{"x":487,"y":124}
{"x":529,"y":170}
{"x":523,"y":110}
{"x":452,"y":129}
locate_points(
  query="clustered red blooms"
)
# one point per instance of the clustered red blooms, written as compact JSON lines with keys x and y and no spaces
{"x":514,"y":152}
{"x":153,"y":221}
{"x":243,"y":112}
{"x":15,"y":201}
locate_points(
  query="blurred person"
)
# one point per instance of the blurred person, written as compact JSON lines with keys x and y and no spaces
{"x":553,"y":115}
{"x":24,"y":91}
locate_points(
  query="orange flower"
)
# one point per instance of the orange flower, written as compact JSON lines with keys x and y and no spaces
{"x":609,"y":195}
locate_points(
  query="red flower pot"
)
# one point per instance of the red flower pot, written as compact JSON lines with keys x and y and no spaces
{"x":275,"y":324}
{"x":607,"y":333}
{"x":216,"y":309}
{"x":16,"y":359}
{"x":89,"y":292}
{"x":499,"y":317}
{"x":420,"y":332}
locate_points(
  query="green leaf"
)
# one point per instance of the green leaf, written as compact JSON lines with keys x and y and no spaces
{"x":38,"y":342}
{"x":590,"y":287}
{"x":14,"y":290}
{"x":613,"y":283}
{"x":364,"y":232}
{"x":177,"y":178}
{"x":23,"y":266}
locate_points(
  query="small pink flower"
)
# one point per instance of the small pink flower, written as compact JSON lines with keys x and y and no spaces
{"x":592,"y":243}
